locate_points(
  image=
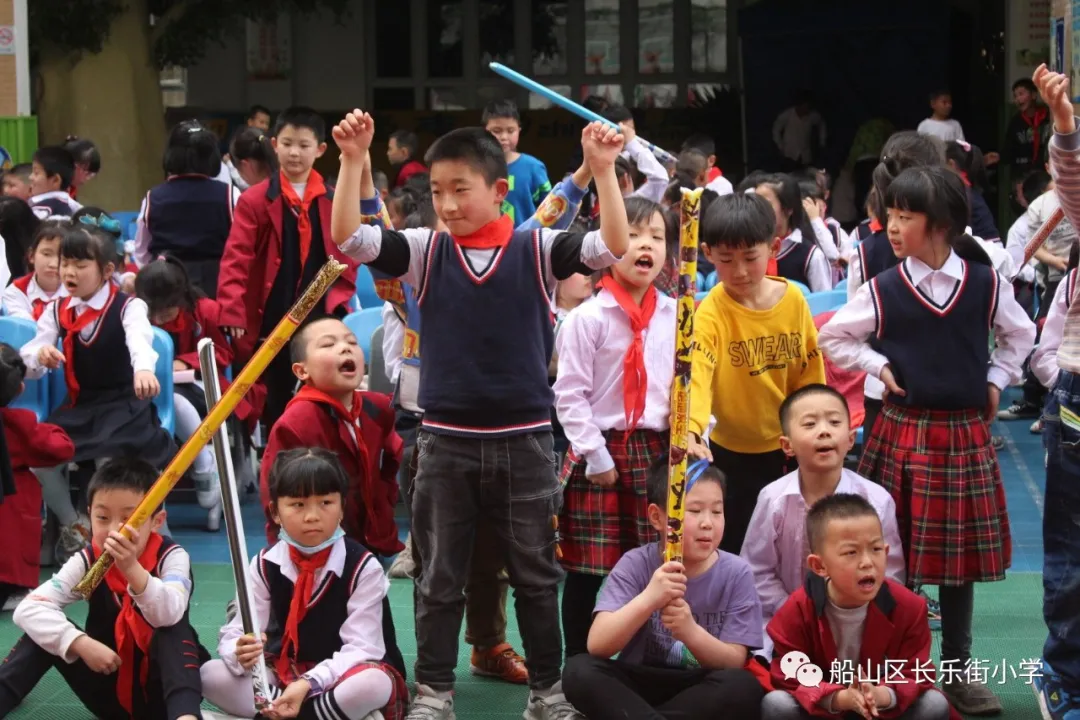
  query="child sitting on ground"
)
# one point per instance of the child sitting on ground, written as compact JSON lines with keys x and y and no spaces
{"x":682,"y":630}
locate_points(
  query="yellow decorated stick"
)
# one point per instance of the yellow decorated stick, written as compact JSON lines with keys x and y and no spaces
{"x":219,"y":413}
{"x":680,"y":386}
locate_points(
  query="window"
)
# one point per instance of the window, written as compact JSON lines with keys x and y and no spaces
{"x":393,"y":42}
{"x":549,"y":37}
{"x":448,"y":99}
{"x":656,"y":36}
{"x":445,"y":23}
{"x":496,"y":33}
{"x":394,"y":98}
{"x":537,"y":102}
{"x":708,"y":35}
{"x":173,"y":81}
{"x":611,"y":93}
{"x":601,"y":37}
{"x":656,"y":96}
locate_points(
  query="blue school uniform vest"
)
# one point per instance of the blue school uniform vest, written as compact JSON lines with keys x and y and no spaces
{"x":939,"y":355}
{"x":793,"y":261}
{"x":189,"y":217}
{"x":102,"y":364}
{"x":488,"y":337}
{"x":54,"y":206}
{"x":876,"y":255}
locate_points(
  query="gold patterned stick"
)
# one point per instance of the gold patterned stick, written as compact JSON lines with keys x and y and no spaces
{"x":680,"y":386}
{"x":219,"y":413}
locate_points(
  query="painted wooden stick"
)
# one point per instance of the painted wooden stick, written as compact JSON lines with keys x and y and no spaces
{"x":183,"y":459}
{"x":680,"y":387}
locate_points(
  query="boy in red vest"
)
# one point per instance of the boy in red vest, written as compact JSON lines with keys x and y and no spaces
{"x":330,"y":412}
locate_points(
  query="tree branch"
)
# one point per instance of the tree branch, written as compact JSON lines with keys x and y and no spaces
{"x":175,"y":11}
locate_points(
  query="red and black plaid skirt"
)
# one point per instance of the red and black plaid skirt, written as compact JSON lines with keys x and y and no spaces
{"x":396,"y":709}
{"x":597,"y":525}
{"x":943,"y":475}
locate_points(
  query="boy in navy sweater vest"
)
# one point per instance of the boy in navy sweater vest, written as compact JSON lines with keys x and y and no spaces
{"x":484,"y":449}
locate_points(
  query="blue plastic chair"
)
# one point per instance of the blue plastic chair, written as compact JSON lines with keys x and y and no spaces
{"x":700,"y":296}
{"x":127,"y":223}
{"x":805,"y":289}
{"x":823,"y":302}
{"x":841,"y":284}
{"x":364,"y":324}
{"x":711,"y":280}
{"x":700,"y":282}
{"x":365,"y":289}
{"x":57,"y":388}
{"x":164,"y":402}
{"x":16,"y":332}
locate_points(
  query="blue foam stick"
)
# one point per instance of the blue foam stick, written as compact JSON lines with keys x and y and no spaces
{"x":568,"y":104}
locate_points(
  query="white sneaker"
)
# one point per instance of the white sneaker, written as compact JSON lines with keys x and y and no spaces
{"x":13,"y":601}
{"x":213,"y":518}
{"x":403,"y":565}
{"x":553,"y":706}
{"x":207,"y":488}
{"x":428,"y":705}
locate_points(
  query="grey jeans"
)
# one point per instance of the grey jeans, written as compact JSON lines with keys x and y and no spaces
{"x":781,"y":705}
{"x":510,"y":482}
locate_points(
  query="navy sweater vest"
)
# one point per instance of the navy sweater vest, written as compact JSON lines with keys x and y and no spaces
{"x":103,"y":364}
{"x":876,"y":255}
{"x":939,"y":356}
{"x":488,"y":338}
{"x":793,"y":261}
{"x":189,"y":217}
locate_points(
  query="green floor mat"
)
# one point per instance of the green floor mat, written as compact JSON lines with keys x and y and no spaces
{"x":1008,"y":629}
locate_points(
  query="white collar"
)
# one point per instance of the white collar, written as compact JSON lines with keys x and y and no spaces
{"x":919,"y":271}
{"x":97,"y":300}
{"x":791,"y":483}
{"x":279,"y":555}
{"x":606,"y":299}
{"x":34,"y":291}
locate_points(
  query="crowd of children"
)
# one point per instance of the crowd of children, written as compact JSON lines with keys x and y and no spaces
{"x":531,"y":442}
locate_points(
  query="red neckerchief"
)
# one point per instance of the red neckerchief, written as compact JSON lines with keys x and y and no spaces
{"x":493,"y":235}
{"x":181,"y":323}
{"x":302,"y":207}
{"x":635,"y":378}
{"x":771,"y":268}
{"x":131,"y":629}
{"x":1034,"y":122}
{"x":306,"y":566}
{"x":37,"y":304}
{"x":72,"y":325}
{"x":876,"y":226}
{"x":964,"y":177}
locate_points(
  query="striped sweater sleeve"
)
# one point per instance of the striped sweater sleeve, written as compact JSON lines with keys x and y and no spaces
{"x":1065,"y":167}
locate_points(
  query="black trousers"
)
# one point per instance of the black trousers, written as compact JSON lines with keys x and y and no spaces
{"x":578,"y":600}
{"x":603,"y":689}
{"x":173,"y":686}
{"x":280,"y":388}
{"x":747,"y":474}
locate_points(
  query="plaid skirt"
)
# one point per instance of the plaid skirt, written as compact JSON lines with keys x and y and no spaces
{"x":396,"y":709}
{"x":943,"y":475}
{"x":598,"y":525}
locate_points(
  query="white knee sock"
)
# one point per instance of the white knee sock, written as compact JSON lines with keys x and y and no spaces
{"x":356,"y":697}
{"x":232,"y":694}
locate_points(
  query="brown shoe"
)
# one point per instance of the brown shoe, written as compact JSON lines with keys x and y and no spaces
{"x":499,"y":662}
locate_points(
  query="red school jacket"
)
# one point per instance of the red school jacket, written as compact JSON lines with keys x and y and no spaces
{"x":30,"y":444}
{"x":369,"y":507}
{"x":896,"y":630}
{"x":253,"y":255}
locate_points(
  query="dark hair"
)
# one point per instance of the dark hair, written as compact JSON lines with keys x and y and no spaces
{"x":84,"y":152}
{"x":738,"y":221}
{"x":84,"y":243}
{"x":46,"y":230}
{"x":673,"y":193}
{"x":1074,"y":257}
{"x":902,"y":150}
{"x":12,"y":373}
{"x":806,"y":391}
{"x":751,"y":181}
{"x":839,"y":506}
{"x":503,"y":108}
{"x":968,"y":160}
{"x":692,"y":162}
{"x":700,"y":142}
{"x":96,"y":218}
{"x":56,"y":161}
{"x":419,"y":182}
{"x":811,"y":189}
{"x":938,"y":93}
{"x":404,"y":199}
{"x":192,"y":149}
{"x":1026,"y":83}
{"x":125,"y":472}
{"x":251,"y":143}
{"x":656,"y":481}
{"x":474,"y":146}
{"x":424,"y":215}
{"x":788,"y":194}
{"x":617,"y":114}
{"x":18,"y":227}
{"x":301,"y":117}
{"x":303,"y":472}
{"x":164,"y":284}
{"x":938,"y":193}
{"x":258,"y":110}
{"x":639,"y":210}
{"x":406,"y":139}
{"x":22,"y":171}
{"x":1033,"y":185}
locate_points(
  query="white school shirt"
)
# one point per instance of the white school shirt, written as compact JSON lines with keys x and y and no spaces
{"x":1044,"y":362}
{"x":162,"y":602}
{"x":721,"y":186}
{"x":946,"y":130}
{"x":138,"y":332}
{"x":818,"y":270}
{"x":588,"y":387}
{"x":778,"y":547}
{"x":21,"y":305}
{"x":361,"y":635}
{"x":825,"y":241}
{"x":845,"y":338}
{"x":393,"y":341}
{"x":656,"y":177}
{"x":1015,"y":241}
{"x":792,"y":134}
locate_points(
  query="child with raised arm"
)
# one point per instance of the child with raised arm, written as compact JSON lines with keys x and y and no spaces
{"x":682,"y":630}
{"x":484,"y":297}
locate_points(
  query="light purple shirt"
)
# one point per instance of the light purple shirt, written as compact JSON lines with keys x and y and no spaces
{"x":722,"y":600}
{"x":776,"y":545}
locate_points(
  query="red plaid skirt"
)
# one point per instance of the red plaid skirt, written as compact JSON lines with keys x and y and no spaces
{"x":943,"y":475}
{"x":598,"y":525}
{"x":396,"y":709}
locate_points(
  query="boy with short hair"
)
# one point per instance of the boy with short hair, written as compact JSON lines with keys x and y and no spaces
{"x":280,"y":239}
{"x":138,"y":656}
{"x":401,"y":150}
{"x":867,"y":635}
{"x":484,"y":294}
{"x":51,"y":173}
{"x":755,"y":343}
{"x":939,"y":124}
{"x":682,"y":630}
{"x":817,"y":432}
{"x":259,"y":117}
{"x":17,"y":182}
{"x":528,"y":177}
